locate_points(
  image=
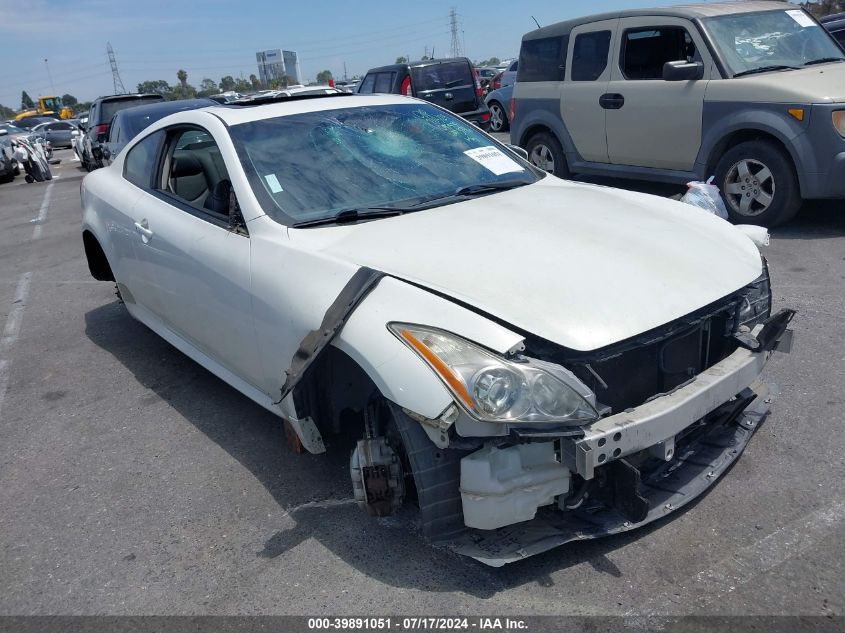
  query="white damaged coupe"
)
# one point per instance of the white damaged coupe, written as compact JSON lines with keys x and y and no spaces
{"x":529,"y":361}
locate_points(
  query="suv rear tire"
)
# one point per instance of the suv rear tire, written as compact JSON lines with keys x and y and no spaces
{"x":545,"y":152}
{"x":758,"y":184}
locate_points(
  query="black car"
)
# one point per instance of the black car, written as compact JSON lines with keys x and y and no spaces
{"x":450,"y":83}
{"x":29,"y":122}
{"x":127,"y":123}
{"x":836,"y":25}
{"x":100,"y":115}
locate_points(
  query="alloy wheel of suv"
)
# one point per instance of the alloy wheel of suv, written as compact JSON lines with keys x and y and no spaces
{"x":545,"y":152}
{"x":749,"y":187}
{"x":758,"y":183}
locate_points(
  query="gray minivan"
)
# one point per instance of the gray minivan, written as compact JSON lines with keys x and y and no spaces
{"x":751,"y":92}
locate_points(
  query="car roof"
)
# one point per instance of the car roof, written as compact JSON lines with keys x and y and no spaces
{"x":235,"y":114}
{"x":163,"y":108}
{"x":420,"y":64}
{"x":135,"y":95}
{"x":689,"y":11}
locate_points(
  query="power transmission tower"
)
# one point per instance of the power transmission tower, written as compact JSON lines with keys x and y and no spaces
{"x":456,"y":41}
{"x":115,"y":75}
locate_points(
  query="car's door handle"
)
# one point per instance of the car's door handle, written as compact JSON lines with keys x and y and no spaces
{"x":611,"y":101}
{"x":143,"y":229}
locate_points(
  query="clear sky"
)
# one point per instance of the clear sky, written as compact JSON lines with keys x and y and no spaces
{"x":152,"y":39}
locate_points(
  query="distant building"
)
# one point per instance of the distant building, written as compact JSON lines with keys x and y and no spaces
{"x":276,"y":63}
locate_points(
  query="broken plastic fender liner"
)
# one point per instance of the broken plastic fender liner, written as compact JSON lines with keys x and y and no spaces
{"x":358,"y":287}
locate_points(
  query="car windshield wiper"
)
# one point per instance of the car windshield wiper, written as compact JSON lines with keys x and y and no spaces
{"x":765,"y":69}
{"x":352,"y":215}
{"x":824,"y":60}
{"x":486,"y":187}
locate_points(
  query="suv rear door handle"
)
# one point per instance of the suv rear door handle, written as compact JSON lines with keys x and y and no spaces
{"x":611,"y":101}
{"x":143,"y":228}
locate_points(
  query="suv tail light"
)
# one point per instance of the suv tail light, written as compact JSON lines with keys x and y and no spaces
{"x":102,"y":131}
{"x":406,"y":85}
{"x":478,"y":91}
{"x":513,"y":109}
{"x":497,"y":81}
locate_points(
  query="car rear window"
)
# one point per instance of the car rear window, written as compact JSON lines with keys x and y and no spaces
{"x":442,"y":76}
{"x":111,"y":107}
{"x":543,"y":59}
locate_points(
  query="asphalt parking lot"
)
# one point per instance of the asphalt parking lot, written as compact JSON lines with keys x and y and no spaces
{"x":132,"y":481}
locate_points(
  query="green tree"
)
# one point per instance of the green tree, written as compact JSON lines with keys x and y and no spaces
{"x":182,"y":76}
{"x":26,"y":101}
{"x":208,"y":87}
{"x":255,"y":81}
{"x":401,"y":60}
{"x":158,"y":86}
{"x":242,"y":85}
{"x":324,"y":76}
{"x":821,"y":8}
{"x":227,"y":83}
{"x":69,"y":100}
{"x":6,"y":113}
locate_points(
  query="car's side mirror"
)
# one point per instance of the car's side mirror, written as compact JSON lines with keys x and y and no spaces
{"x":519,"y":151}
{"x":683,"y":71}
{"x":4,"y":132}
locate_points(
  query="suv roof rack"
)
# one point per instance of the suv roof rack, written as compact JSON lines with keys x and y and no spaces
{"x":257,"y":101}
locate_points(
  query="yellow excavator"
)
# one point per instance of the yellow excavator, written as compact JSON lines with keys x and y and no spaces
{"x":48,"y":106}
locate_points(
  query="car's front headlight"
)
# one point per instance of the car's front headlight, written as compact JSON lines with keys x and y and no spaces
{"x":495,"y":389}
{"x":839,"y":121}
{"x":755,"y":301}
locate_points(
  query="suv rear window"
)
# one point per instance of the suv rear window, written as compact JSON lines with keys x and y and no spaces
{"x":442,"y":76}
{"x":542,"y":60}
{"x":589,"y":56}
{"x":111,"y":107}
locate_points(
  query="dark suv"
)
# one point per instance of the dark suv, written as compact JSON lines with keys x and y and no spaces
{"x":450,"y":83}
{"x":836,"y":25}
{"x":99,"y":120}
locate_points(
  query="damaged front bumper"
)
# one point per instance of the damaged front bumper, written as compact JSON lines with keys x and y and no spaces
{"x":631,"y":468}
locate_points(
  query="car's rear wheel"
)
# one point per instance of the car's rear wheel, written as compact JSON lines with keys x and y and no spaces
{"x":545,"y":152}
{"x":498,"y":117}
{"x":759,"y":184}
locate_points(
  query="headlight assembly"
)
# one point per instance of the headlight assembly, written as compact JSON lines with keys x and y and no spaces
{"x":495,"y":389}
{"x":755,"y":304}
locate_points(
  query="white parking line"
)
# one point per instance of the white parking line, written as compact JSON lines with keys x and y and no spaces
{"x":747,"y":563}
{"x":42,"y":212}
{"x":11,"y":331}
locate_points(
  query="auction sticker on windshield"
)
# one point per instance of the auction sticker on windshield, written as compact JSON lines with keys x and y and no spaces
{"x":273,"y":183}
{"x":802,"y":18}
{"x":494,"y":160}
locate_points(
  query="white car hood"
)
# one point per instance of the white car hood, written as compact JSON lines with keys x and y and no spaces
{"x":580,"y":265}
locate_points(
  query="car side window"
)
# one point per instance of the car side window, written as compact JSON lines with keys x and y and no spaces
{"x":114,"y":130}
{"x":368,"y":84}
{"x":590,"y":55}
{"x":195,"y":173}
{"x":840,"y":37}
{"x":140,"y":162}
{"x":384,"y":82}
{"x":645,"y":51}
{"x":542,"y":59}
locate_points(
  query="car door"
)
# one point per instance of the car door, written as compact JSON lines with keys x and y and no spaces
{"x":585,"y":88}
{"x":197,"y":260}
{"x":658,"y":123}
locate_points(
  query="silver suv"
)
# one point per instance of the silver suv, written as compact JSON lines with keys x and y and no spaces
{"x":751,"y":92}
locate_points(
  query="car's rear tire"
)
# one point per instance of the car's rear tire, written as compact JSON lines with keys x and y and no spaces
{"x":545,"y":152}
{"x":498,"y":117}
{"x":758,"y":184}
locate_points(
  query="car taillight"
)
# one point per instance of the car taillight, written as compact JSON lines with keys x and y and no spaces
{"x":478,"y":91}
{"x":497,"y":81}
{"x":102,"y":131}
{"x":406,"y":85}
{"x":513,"y":110}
